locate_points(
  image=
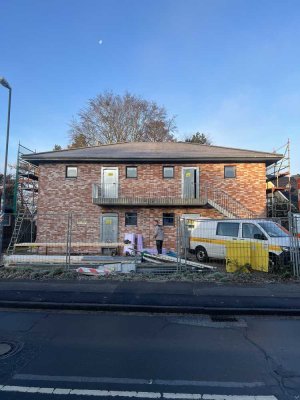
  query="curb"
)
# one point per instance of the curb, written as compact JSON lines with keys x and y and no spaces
{"x":148,"y":308}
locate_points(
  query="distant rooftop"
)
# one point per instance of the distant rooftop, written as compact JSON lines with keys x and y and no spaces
{"x":153,"y":152}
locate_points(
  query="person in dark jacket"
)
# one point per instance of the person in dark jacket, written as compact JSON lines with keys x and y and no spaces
{"x":158,"y":236}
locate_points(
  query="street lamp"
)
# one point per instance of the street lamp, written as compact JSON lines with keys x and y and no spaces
{"x":4,"y":83}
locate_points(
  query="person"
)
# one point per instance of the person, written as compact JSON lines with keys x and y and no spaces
{"x":158,"y":236}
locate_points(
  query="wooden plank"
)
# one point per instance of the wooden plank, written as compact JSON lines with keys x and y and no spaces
{"x":75,"y":244}
{"x":174,"y":259}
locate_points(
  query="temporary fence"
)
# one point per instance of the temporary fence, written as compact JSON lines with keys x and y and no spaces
{"x":190,"y":242}
{"x":241,"y":244}
{"x":294,"y":228}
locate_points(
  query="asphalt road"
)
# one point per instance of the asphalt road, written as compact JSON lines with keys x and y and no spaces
{"x":81,"y":355}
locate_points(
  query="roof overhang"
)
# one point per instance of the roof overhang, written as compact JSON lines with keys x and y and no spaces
{"x":38,"y":161}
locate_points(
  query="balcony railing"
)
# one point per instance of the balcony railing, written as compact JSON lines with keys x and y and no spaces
{"x":155,"y":194}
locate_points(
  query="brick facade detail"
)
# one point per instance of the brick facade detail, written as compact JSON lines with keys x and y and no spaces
{"x":58,"y":195}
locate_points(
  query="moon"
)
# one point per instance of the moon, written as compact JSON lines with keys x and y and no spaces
{"x":100,"y":41}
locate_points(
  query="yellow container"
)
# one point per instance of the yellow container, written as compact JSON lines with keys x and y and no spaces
{"x":238,"y":254}
{"x":260,"y":256}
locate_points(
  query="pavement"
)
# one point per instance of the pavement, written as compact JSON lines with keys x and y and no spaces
{"x":183,"y":297}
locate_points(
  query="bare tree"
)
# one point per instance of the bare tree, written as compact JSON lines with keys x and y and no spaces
{"x":200,"y":138}
{"x":111,"y":118}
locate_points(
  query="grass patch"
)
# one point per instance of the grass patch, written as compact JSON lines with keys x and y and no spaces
{"x":219,"y":276}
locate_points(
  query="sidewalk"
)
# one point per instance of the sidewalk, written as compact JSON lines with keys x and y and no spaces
{"x":184,"y":297}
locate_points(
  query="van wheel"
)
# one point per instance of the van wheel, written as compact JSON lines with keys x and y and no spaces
{"x":201,"y":254}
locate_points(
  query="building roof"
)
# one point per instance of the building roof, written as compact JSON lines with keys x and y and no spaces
{"x":153,"y":152}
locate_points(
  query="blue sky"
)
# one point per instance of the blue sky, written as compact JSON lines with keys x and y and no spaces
{"x":227,"y":68}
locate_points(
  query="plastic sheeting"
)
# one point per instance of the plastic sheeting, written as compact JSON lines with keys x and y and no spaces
{"x":129,"y":248}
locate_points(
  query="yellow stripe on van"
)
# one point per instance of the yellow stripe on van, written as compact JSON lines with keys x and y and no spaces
{"x":220,"y":241}
{"x":275,"y":248}
{"x":206,"y":240}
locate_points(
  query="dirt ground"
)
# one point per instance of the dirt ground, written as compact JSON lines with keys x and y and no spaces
{"x":191,"y":275}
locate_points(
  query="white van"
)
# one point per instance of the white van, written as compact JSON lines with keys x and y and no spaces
{"x":208,"y":239}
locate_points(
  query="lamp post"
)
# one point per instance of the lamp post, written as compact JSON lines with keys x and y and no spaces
{"x":4,"y":83}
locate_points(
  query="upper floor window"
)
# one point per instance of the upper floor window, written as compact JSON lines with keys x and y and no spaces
{"x":230,"y":171}
{"x":131,"y":172}
{"x":228,"y":229}
{"x":71,"y":172}
{"x":168,"y":172}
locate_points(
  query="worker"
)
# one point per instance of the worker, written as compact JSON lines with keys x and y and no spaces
{"x":158,"y":236}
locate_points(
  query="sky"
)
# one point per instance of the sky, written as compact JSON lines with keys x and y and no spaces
{"x":228,"y":68}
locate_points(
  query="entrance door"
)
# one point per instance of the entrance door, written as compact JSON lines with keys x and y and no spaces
{"x":190,"y":182}
{"x":110,"y":182}
{"x":109,"y":227}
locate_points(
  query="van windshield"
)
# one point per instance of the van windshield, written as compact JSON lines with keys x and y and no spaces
{"x":273,"y":229}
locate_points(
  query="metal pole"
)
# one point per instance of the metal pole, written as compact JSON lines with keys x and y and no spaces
{"x":70,"y":240}
{"x":177,"y":243}
{"x":16,"y":182}
{"x":185,"y":240}
{"x":67,"y":239}
{"x":3,"y":197}
{"x":289,"y":176}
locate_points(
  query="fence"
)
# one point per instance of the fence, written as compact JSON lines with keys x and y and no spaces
{"x":212,"y":244}
{"x":294,"y":224}
{"x":241,"y":245}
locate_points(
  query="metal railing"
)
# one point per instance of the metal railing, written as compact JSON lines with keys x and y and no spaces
{"x":147,"y":194}
{"x":225,"y":203}
{"x":170,"y":194}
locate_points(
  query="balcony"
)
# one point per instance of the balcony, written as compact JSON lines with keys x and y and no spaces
{"x":156,"y":194}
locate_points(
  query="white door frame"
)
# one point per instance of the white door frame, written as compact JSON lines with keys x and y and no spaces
{"x":197,"y":179}
{"x":114,"y":168}
{"x":108,"y":214}
{"x":117,"y":178}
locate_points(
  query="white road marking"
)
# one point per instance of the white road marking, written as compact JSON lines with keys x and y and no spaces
{"x":61,"y":391}
{"x":136,"y":381}
{"x":235,"y":397}
{"x":46,"y":390}
{"x":140,"y":395}
{"x":182,"y":396}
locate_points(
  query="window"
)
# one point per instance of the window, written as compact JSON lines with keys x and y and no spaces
{"x":168,"y":172}
{"x":168,"y":219}
{"x":250,"y":230}
{"x":228,"y":229}
{"x":131,"y":172}
{"x":273,"y":229}
{"x":131,"y":219}
{"x":71,"y":172}
{"x":230,"y":172}
{"x":7,"y":220}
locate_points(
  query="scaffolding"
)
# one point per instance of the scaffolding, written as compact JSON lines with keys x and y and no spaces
{"x":279,"y":202}
{"x":25,"y":199}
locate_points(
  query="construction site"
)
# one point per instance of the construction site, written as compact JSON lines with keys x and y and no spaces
{"x":238,"y":240}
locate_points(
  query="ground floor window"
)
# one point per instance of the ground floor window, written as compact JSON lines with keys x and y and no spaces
{"x":130,"y":219}
{"x":168,"y":219}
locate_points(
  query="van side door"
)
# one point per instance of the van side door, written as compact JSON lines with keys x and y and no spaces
{"x":225,"y":231}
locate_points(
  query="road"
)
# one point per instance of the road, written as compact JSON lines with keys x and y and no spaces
{"x":81,"y":355}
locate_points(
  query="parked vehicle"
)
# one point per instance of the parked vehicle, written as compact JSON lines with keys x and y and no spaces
{"x":209,"y":238}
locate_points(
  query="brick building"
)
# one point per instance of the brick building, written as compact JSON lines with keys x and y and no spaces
{"x":118,"y":188}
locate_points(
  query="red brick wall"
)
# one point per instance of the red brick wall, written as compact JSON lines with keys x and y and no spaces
{"x":58,"y":195}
